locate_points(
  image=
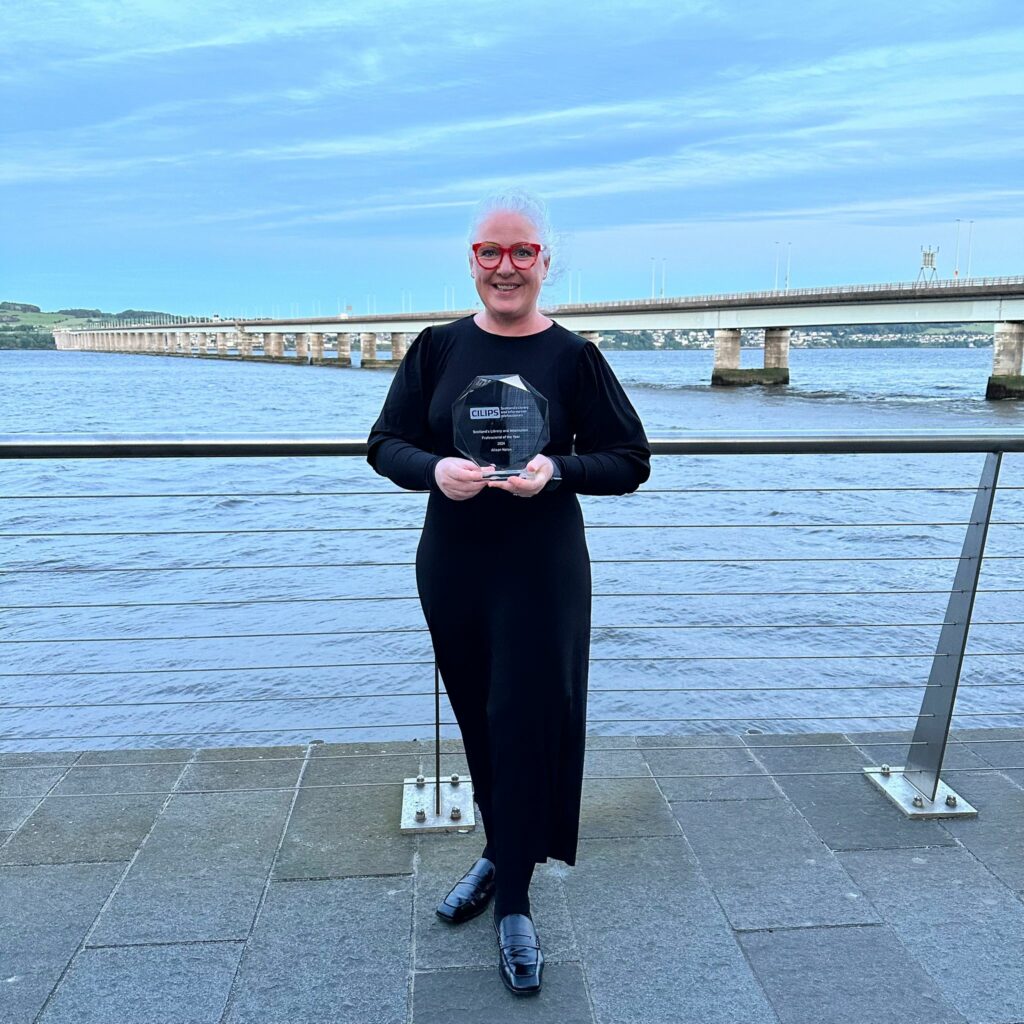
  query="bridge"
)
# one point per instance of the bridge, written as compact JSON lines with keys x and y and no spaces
{"x":995,"y":300}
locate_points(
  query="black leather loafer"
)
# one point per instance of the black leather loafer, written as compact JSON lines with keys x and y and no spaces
{"x":470,"y":895}
{"x":520,"y":961}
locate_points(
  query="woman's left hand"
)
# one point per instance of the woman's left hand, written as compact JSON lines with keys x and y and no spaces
{"x":540,"y":467}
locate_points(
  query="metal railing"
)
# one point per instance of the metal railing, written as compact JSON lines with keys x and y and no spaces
{"x":942,"y":561}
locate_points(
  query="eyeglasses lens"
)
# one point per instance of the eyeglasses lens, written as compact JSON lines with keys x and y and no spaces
{"x":523,"y":256}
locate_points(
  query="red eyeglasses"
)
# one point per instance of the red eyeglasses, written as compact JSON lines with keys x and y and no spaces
{"x":522,"y":254}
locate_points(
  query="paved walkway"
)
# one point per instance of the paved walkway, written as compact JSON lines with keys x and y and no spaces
{"x":166,"y":890}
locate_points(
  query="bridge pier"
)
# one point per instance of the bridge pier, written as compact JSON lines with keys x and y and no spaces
{"x":301,"y":346}
{"x":316,"y":347}
{"x":399,"y":346}
{"x":343,"y":343}
{"x":727,"y":372}
{"x":1007,"y":380}
{"x":273,"y":345}
{"x":368,"y":351}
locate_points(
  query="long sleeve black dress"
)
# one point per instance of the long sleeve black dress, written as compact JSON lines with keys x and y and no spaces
{"x":505,"y":582}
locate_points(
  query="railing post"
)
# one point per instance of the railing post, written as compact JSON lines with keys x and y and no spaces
{"x":917,"y":788}
{"x":453,"y":809}
{"x":437,"y":740}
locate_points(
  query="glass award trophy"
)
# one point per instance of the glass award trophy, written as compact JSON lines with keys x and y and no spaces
{"x":500,"y":421}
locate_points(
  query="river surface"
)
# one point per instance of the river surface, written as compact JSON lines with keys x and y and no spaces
{"x":253,"y":601}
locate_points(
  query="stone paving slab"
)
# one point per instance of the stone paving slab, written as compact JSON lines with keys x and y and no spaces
{"x":45,"y":913}
{"x":915,"y":890}
{"x":336,"y":950}
{"x":442,"y":861}
{"x":656,"y":946}
{"x":478,"y":996}
{"x":201,"y":873}
{"x":69,"y":828}
{"x":614,"y":762}
{"x":977,"y":966}
{"x":352,"y":829}
{"x":334,"y":833}
{"x":186,"y":984}
{"x":692,"y":757}
{"x":14,"y":813}
{"x":20,"y":759}
{"x":30,"y":782}
{"x":1001,"y":748}
{"x":959,"y":922}
{"x":996,"y":836}
{"x":157,"y":757}
{"x":83,"y":819}
{"x":220,"y":768}
{"x":640,"y":930}
{"x":767,"y":866}
{"x":624,"y":807}
{"x":846,"y":810}
{"x":391,"y":761}
{"x":849,"y":975}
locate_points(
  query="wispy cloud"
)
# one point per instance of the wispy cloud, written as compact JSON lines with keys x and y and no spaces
{"x":197,"y":116}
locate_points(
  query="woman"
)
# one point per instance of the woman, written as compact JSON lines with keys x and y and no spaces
{"x":505,"y":584}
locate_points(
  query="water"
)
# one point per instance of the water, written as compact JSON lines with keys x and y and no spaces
{"x":195,"y":641}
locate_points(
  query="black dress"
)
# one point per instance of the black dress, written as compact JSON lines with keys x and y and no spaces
{"x":505,"y":581}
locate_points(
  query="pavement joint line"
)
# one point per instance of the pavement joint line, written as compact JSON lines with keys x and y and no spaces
{"x":999,"y":770}
{"x":110,"y":895}
{"x":714,"y":891}
{"x":811,"y":927}
{"x":769,"y":1002}
{"x":630,"y":835}
{"x":335,"y":878}
{"x":410,"y":985}
{"x":771,"y":776}
{"x":229,"y":1001}
{"x":228,"y":760}
{"x":132,"y":860}
{"x":39,"y":804}
{"x":62,"y":863}
{"x":579,"y":949}
{"x":167,"y":942}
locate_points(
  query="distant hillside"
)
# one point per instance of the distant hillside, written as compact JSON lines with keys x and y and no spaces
{"x":860,"y":336}
{"x":23,"y":325}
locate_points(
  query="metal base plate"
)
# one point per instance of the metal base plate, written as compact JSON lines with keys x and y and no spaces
{"x":416,"y":797}
{"x":946,"y":804}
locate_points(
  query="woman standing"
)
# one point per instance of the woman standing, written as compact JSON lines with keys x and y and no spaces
{"x":505,"y":582}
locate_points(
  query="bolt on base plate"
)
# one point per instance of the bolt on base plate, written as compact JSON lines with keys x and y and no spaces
{"x":458,"y":813}
{"x":911,"y":802}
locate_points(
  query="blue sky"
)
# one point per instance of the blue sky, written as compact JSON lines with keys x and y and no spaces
{"x":256,"y":158}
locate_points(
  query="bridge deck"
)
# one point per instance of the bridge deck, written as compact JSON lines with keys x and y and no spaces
{"x":801,"y":897}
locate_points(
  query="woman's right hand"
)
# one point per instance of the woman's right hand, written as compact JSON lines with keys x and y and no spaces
{"x":460,"y":479}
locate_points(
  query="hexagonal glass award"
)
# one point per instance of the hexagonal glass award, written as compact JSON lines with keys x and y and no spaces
{"x":501,"y":421}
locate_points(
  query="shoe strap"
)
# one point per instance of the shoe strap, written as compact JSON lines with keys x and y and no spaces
{"x":476,"y":874}
{"x":528,"y":940}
